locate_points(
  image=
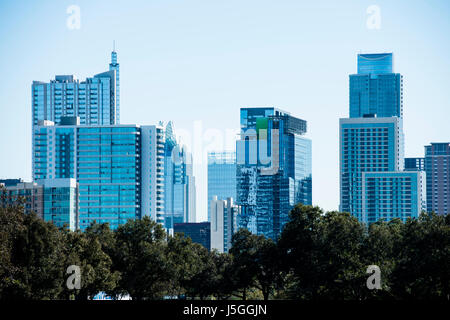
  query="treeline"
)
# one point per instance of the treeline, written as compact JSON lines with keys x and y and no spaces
{"x":318,"y":256}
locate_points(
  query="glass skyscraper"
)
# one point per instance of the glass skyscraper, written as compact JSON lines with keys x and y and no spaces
{"x":95,"y":100}
{"x":437,"y":168}
{"x":119,"y":168}
{"x":273,"y":169}
{"x":179,"y":182}
{"x":367,"y":145}
{"x":373,"y":184}
{"x":375,"y":89}
{"x":221,"y":176}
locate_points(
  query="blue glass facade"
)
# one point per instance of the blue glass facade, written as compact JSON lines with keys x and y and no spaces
{"x":375,"y":89}
{"x":366,"y":145}
{"x":105,"y":161}
{"x":60,"y":202}
{"x":93,"y":100}
{"x":373,"y":184}
{"x":273,"y":169}
{"x":392,"y":195}
{"x":179,"y":183}
{"x":221,"y":177}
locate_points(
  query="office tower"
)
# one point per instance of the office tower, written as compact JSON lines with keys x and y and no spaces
{"x":54,"y":200}
{"x":199,"y":232}
{"x":375,"y":89}
{"x":94,"y":100}
{"x":273,"y":169}
{"x":179,"y":181}
{"x":366,"y":145}
{"x":437,"y":168}
{"x":373,"y":184}
{"x":414,"y":164}
{"x":393,"y":194}
{"x":221,"y":176}
{"x":225,"y":217}
{"x":119,"y":168}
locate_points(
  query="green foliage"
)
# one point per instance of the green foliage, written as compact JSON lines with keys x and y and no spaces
{"x":140,"y":257}
{"x":318,"y":256}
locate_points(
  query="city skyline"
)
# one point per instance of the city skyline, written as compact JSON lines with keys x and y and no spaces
{"x":150,"y":77}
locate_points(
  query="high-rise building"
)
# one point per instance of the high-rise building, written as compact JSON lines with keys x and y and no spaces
{"x":273,"y":169}
{"x":179,"y":181}
{"x":375,"y":89}
{"x":366,"y":145}
{"x":199,"y":232}
{"x":54,"y":200}
{"x":437,"y":168}
{"x":225,"y":217}
{"x":119,"y":168}
{"x":221,"y":176}
{"x":373,"y":184}
{"x":94,"y":100}
{"x":391,"y":195}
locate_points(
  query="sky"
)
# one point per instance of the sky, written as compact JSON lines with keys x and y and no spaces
{"x":198,"y":62}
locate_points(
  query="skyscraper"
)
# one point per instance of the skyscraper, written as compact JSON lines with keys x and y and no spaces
{"x":179,"y":181}
{"x":94,"y":100}
{"x":373,"y":184}
{"x":119,"y":168}
{"x":437,"y":168}
{"x":221,"y":176}
{"x":366,"y":145}
{"x":375,"y":89}
{"x":273,"y":169}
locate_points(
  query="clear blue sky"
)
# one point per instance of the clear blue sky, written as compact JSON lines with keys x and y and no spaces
{"x":190,"y":61}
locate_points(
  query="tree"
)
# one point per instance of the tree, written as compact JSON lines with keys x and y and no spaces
{"x":244,"y":268}
{"x":298,"y":246}
{"x":183,"y":262}
{"x":322,"y":254}
{"x":340,"y":269}
{"x":36,"y":259}
{"x":11,"y":225}
{"x":205,"y":281}
{"x":381,"y":248}
{"x":140,"y":257}
{"x":85,"y":251}
{"x":423,"y":262}
{"x":268,"y":273}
